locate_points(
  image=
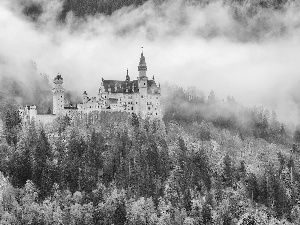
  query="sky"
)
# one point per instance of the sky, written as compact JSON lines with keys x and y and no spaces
{"x":256,"y":60}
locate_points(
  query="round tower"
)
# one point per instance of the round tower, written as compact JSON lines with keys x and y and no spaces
{"x":58,"y":95}
{"x":85,"y":97}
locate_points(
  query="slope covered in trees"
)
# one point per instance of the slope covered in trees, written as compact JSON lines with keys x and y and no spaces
{"x":245,"y":20}
{"x":29,"y":89}
{"x":83,"y":8}
{"x":116,"y":168}
{"x":188,"y":106}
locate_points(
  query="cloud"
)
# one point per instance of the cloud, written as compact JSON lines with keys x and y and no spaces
{"x":221,"y":47}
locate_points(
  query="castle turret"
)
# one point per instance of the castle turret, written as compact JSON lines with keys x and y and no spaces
{"x":127,"y":76}
{"x":85,"y":97}
{"x":58,"y":95}
{"x":143,"y":85}
{"x":142,"y":68}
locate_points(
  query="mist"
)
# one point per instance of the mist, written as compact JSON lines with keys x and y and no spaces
{"x":213,"y":47}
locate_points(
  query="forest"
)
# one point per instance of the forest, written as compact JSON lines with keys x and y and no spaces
{"x":209,"y":161}
{"x":84,"y":8}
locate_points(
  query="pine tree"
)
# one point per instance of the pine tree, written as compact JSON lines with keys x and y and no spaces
{"x":228,"y":171}
{"x":297,"y":136}
{"x":206,"y":214}
{"x":252,"y":187}
{"x":12,"y":123}
{"x":119,"y":217}
{"x":201,"y":170}
{"x":135,"y":121}
{"x":42,"y":169}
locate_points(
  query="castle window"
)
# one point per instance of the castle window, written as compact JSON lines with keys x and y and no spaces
{"x":131,"y":108}
{"x":156,"y":113}
{"x":148,"y":108}
{"x":90,"y":107}
{"x":136,"y":102}
{"x":144,"y":83}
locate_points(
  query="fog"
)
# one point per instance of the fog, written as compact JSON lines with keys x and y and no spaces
{"x":254,"y":59}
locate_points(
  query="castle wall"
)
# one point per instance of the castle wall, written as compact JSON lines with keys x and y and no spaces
{"x":153,"y":106}
{"x":45,"y":119}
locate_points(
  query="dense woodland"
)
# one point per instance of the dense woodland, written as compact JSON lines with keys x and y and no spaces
{"x":83,"y":8}
{"x":208,"y":161}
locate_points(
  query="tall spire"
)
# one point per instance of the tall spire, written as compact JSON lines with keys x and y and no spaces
{"x":127,"y":76}
{"x":142,"y":65}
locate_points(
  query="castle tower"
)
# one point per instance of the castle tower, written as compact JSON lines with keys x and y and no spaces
{"x":127,"y":76}
{"x":85,"y":97}
{"x":58,"y":95}
{"x":143,"y":85}
{"x":142,"y":68}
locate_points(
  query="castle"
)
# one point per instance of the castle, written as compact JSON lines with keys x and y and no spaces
{"x":141,"y":96}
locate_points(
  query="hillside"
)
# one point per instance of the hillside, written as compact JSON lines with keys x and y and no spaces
{"x":207,"y":162}
{"x":84,"y":8}
{"x":213,"y":159}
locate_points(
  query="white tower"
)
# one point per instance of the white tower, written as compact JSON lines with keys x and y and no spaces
{"x":58,"y":95}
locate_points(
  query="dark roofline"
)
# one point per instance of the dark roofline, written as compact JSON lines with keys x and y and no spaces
{"x":70,"y":107}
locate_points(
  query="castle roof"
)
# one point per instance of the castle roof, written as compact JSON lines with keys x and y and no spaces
{"x":117,"y":86}
{"x":71,"y":107}
{"x":142,"y":64}
{"x":58,"y":77}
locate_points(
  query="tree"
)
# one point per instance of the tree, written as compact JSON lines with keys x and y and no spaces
{"x":135,"y":121}
{"x":73,"y":173}
{"x":201,"y":170}
{"x":207,"y":214}
{"x":49,"y":111}
{"x":42,"y":168}
{"x":297,"y":135}
{"x":228,"y":171}
{"x":211,"y":97}
{"x":242,"y":170}
{"x":12,"y":122}
{"x":252,"y":187}
{"x":141,"y":211}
